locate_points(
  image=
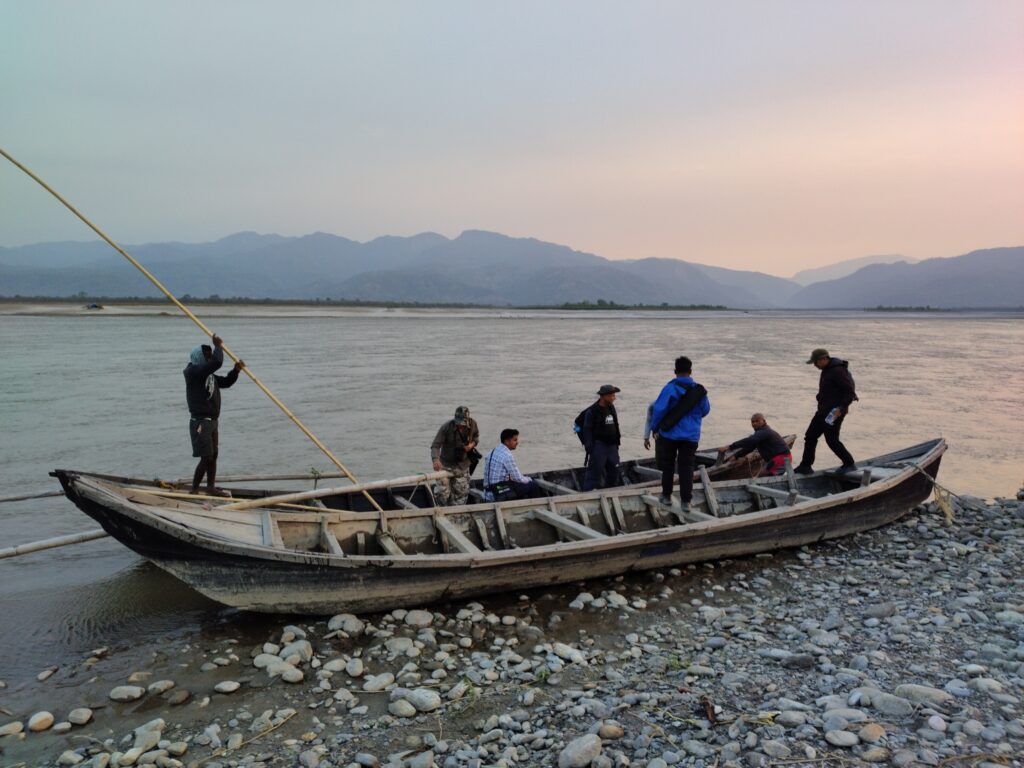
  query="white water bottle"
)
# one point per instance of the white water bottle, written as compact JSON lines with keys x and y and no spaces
{"x":832,"y":416}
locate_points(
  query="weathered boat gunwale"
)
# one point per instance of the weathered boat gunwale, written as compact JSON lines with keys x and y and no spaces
{"x":743,"y":467}
{"x":487,"y":559}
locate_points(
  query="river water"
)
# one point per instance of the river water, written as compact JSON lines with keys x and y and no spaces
{"x":104,"y":392}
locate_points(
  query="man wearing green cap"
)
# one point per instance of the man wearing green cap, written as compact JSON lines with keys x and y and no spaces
{"x":454,"y":449}
{"x":835,"y":394}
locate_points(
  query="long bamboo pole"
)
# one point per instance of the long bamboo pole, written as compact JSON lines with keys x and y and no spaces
{"x":269,"y":501}
{"x":58,"y":541}
{"x":316,"y":441}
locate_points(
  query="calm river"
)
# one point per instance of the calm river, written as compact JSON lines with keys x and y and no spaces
{"x":104,"y":392}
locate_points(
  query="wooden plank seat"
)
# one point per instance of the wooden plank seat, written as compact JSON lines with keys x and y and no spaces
{"x":657,"y":511}
{"x":387,"y":542}
{"x":653,"y":474}
{"x":328,"y":541}
{"x":570,"y":528}
{"x":694,"y":516}
{"x":271,"y":533}
{"x":555,"y":488}
{"x":456,"y":539}
{"x":787,"y":497}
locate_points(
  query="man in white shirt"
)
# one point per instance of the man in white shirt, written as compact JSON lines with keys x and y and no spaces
{"x":502,"y":478}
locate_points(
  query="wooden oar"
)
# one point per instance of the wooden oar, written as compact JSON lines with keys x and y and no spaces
{"x":316,"y":441}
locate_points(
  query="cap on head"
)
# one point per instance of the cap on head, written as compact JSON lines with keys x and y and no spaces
{"x":817,"y":354}
{"x":607,"y":389}
{"x":462,"y":415}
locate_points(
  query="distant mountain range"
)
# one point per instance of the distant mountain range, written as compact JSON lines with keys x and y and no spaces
{"x":844,"y":268}
{"x":488,"y":268}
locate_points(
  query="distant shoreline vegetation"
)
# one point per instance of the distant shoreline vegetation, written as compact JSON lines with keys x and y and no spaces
{"x":97,"y":302}
{"x":926,"y":308}
{"x":600,"y":304}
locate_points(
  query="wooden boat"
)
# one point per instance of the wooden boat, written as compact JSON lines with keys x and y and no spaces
{"x":283,"y":560}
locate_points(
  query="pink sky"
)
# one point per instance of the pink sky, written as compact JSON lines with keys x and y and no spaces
{"x":750,"y":135}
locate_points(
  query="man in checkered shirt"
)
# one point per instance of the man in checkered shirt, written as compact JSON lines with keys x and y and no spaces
{"x":502,"y":478}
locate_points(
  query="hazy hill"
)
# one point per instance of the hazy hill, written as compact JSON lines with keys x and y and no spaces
{"x":980,"y":279}
{"x":484,"y":268}
{"x":844,"y":268}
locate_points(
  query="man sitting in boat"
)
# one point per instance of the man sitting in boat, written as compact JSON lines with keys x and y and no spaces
{"x":769,"y":444}
{"x":202,"y":392}
{"x":502,"y":479}
{"x":454,"y":449}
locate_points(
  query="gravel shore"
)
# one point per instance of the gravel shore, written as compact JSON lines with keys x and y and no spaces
{"x":902,"y":646}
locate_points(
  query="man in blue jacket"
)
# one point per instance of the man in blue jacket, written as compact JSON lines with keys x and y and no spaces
{"x":678,"y":443}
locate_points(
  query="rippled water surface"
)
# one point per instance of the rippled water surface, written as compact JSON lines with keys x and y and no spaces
{"x":106,"y":394}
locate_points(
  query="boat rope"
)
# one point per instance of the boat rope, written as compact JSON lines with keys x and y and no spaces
{"x":188,"y":313}
{"x":943,"y":496}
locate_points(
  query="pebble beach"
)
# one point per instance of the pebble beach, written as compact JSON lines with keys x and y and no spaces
{"x":902,"y":646}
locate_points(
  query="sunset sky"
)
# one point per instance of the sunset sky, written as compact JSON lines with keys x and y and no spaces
{"x":773,"y":136}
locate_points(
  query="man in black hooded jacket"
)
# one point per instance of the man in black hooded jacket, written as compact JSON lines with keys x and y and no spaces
{"x":835,"y":394}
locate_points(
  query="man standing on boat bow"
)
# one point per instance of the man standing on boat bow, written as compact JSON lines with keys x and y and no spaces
{"x":454,"y":449}
{"x":835,"y":395}
{"x":202,"y":392}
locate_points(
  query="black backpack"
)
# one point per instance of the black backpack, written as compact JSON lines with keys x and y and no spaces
{"x":578,"y":424}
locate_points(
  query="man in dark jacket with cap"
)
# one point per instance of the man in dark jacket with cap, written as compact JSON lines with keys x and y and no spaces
{"x":202,"y":392}
{"x":452,"y":450}
{"x":601,"y":437}
{"x":835,"y":394}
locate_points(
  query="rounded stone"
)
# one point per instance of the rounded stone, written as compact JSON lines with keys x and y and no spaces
{"x":80,"y":716}
{"x":40,"y":721}
{"x":424,"y":699}
{"x":378,"y":682}
{"x":292,"y":675}
{"x":871,"y":733}
{"x":611,"y":731}
{"x":178,"y":697}
{"x":842,"y":738}
{"x":127,"y":693}
{"x":347,"y":623}
{"x":580,"y":752}
{"x":11,"y":728}
{"x":354,"y":668}
{"x":419,"y":619}
{"x":160,"y":686}
{"x":227,"y":686}
{"x":402,"y":708}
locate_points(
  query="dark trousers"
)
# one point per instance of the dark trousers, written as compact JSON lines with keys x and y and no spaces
{"x":676,"y":456}
{"x":816,"y":429}
{"x":516,"y":490}
{"x":604,"y":463}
